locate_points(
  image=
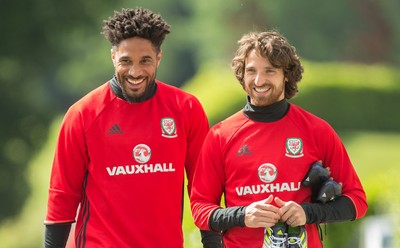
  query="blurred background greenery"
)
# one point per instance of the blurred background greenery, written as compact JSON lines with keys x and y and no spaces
{"x":52,"y":53}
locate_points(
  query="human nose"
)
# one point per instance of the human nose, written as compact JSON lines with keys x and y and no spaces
{"x":259,"y":80}
{"x":135,"y":71}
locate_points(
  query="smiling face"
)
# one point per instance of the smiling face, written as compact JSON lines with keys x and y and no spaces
{"x":263,"y":83}
{"x":136,"y":62}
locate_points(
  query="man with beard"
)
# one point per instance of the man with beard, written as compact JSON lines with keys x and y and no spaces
{"x":124,"y":148}
{"x":259,"y":157}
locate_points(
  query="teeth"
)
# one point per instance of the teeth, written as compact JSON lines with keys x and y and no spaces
{"x":261,"y":90}
{"x":137,"y":81}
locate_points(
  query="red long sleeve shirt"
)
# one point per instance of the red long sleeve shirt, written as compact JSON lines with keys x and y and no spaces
{"x":123,"y":164}
{"x":248,"y":160}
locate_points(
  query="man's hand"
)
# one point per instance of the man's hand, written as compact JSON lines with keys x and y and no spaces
{"x":262,"y":214}
{"x":291,"y":213}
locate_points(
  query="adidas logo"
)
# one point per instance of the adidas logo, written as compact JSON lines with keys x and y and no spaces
{"x":115,"y":129}
{"x":243,"y":151}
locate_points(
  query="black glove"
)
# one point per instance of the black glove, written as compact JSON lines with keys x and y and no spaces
{"x":329,"y":191}
{"x":316,"y":175}
{"x":323,"y":188}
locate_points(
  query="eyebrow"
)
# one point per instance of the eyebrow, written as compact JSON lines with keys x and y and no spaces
{"x":127,"y":57}
{"x":265,"y":68}
{"x":147,"y":57}
{"x":123,"y":57}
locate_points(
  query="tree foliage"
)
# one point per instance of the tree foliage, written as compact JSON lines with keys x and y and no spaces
{"x":352,"y":31}
{"x":52,"y":53}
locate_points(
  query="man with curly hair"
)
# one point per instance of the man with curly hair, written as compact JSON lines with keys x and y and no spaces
{"x":124,"y":148}
{"x":260,"y":157}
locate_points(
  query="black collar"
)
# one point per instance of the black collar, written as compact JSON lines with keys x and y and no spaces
{"x":268,"y":113}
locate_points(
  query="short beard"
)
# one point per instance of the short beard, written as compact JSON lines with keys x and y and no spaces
{"x":149,"y":91}
{"x":145,"y":96}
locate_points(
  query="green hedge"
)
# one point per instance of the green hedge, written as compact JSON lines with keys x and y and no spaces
{"x":348,"y":96}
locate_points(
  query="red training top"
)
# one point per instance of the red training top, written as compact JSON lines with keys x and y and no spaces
{"x":124,"y":163}
{"x":248,"y":160}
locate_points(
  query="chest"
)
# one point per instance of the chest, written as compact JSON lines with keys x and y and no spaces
{"x":274,"y":154}
{"x":136,"y":134}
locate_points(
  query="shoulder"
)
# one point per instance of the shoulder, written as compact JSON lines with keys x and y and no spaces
{"x":95,"y":98}
{"x":174,"y":95}
{"x":230,"y":125}
{"x":167,"y":89}
{"x":92,"y":103}
{"x":307,"y":120}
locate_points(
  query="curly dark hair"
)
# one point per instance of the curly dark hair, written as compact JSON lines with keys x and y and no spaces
{"x":277,"y":50}
{"x":138,"y":22}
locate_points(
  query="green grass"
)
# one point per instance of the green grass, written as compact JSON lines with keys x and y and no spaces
{"x":375,"y":156}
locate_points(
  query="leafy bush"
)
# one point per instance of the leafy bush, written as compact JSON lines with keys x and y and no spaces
{"x":348,"y":96}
